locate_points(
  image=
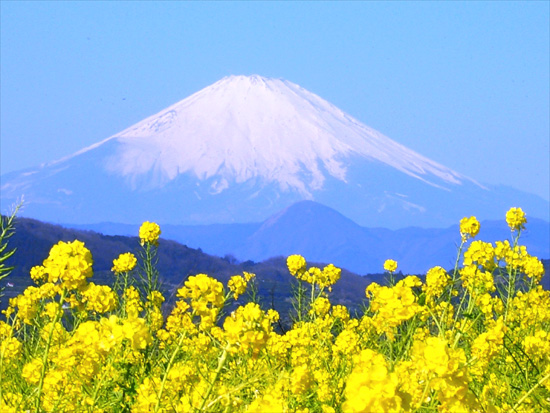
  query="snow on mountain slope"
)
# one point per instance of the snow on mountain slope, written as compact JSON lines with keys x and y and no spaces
{"x":243,"y":149}
{"x":244,"y":127}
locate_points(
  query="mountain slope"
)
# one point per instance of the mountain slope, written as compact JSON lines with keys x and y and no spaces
{"x":244,"y":148}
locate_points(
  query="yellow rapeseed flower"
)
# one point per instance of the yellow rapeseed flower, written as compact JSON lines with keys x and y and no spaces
{"x":390,"y":265}
{"x":469,"y":227}
{"x":296,"y":264}
{"x":320,"y":306}
{"x":149,"y":232}
{"x":31,"y":371}
{"x":237,"y":285}
{"x":370,"y":386}
{"x":125,"y":262}
{"x":515,"y":217}
{"x":70,"y":263}
{"x":99,"y":298}
{"x":10,"y":349}
{"x":436,"y":281}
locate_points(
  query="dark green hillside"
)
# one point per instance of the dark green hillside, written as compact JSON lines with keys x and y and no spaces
{"x":33,"y":240}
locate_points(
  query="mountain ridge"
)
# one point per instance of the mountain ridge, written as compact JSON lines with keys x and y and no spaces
{"x":323,"y":234}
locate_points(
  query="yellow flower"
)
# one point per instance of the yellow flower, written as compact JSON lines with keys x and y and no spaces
{"x":206,"y":298}
{"x":346,"y":342}
{"x":436,"y":281}
{"x":533,"y":268}
{"x":133,"y":303}
{"x":248,"y":275}
{"x":38,"y":273}
{"x":370,"y":386}
{"x":31,"y":371}
{"x":300,"y":379}
{"x":538,"y":345}
{"x":390,"y":265}
{"x":149,"y":232}
{"x":99,"y":298}
{"x":125,"y":262}
{"x":469,"y":227}
{"x":247,"y":328}
{"x":409,"y":281}
{"x":296,"y":264}
{"x":137,"y":332}
{"x":156,"y":298}
{"x":477,"y":281}
{"x":329,"y":276}
{"x":70,"y":262}
{"x":481,"y":253}
{"x":341,"y":312}
{"x":237,"y":285}
{"x":392,"y":305}
{"x":10,"y":349}
{"x":515,"y":217}
{"x":321,"y":306}
{"x":486,"y":346}
{"x":271,"y":401}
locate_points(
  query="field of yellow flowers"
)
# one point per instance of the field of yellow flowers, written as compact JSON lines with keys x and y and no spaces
{"x":474,"y":339}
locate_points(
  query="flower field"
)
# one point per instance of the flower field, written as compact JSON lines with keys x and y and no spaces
{"x":472,"y":339}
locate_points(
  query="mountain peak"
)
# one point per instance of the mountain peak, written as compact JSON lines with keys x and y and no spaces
{"x":245,"y":127}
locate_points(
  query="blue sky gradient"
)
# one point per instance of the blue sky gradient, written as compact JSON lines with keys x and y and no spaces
{"x":464,"y":83}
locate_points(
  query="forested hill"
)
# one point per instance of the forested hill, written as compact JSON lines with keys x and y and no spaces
{"x":33,"y":240}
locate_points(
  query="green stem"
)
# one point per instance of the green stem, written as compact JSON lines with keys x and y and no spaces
{"x":452,"y":284}
{"x":512,"y":274}
{"x":221,"y":362}
{"x":458,"y":310}
{"x":170,"y":362}
{"x":510,"y":291}
{"x":530,"y":391}
{"x":98,"y":386}
{"x":47,"y":349}
{"x":300,"y":299}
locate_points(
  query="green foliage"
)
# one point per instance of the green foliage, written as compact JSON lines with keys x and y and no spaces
{"x":7,"y":229}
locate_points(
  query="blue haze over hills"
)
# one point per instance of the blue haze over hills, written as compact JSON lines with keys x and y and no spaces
{"x":322,"y":234}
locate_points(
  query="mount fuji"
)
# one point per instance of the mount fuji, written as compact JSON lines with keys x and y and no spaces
{"x":245,"y":148}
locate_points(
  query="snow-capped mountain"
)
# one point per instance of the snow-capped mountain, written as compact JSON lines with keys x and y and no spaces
{"x":245,"y":148}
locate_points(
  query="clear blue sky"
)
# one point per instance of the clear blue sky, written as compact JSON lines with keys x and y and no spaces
{"x":464,"y":83}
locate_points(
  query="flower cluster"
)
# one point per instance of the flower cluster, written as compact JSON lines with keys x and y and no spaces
{"x":390,"y":265}
{"x":370,"y":386}
{"x":393,"y":305}
{"x":472,"y":339}
{"x":515,"y":217}
{"x":205,"y":296}
{"x":125,"y":262}
{"x":322,"y":278}
{"x":296,"y":264}
{"x":247,"y":329}
{"x":149,"y":233}
{"x":469,"y":227}
{"x":69,"y":263}
{"x":99,"y":298}
{"x":237,"y":284}
{"x":437,"y":281}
